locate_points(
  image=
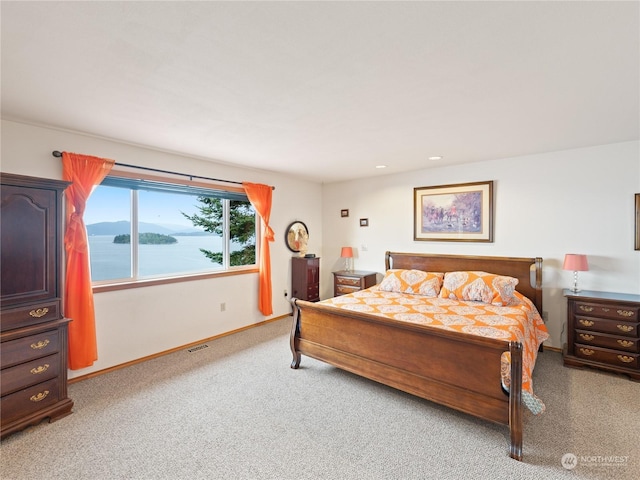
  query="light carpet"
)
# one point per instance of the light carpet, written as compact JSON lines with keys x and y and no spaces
{"x":235,"y":410}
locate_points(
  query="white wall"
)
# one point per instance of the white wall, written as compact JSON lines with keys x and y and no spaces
{"x":135,"y":323}
{"x":574,"y":201}
{"x":577,"y":201}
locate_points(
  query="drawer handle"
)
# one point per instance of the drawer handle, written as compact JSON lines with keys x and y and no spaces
{"x":39,"y":312}
{"x":587,"y":351}
{"x":586,"y":323}
{"x":586,"y":309}
{"x":625,"y":313}
{"x":40,"y":345}
{"x":605,"y":309}
{"x":40,"y":369}
{"x":39,"y":397}
{"x":625,"y":358}
{"x":587,"y":337}
{"x":624,"y":328}
{"x":625,"y":343}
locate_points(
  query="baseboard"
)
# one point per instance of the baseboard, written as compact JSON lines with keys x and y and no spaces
{"x":553,"y":349}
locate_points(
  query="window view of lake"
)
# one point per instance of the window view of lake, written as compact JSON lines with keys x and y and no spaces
{"x":111,"y":261}
{"x":169,"y":240}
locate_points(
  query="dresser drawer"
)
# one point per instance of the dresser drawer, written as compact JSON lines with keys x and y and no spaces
{"x":29,"y":373}
{"x":29,"y":348}
{"x":29,"y":400}
{"x":607,"y":326}
{"x":627,"y":313}
{"x":616,"y":342}
{"x":345,"y":282}
{"x":30,"y":315}
{"x":313,"y":292}
{"x":349,"y":281}
{"x":611,"y":357}
{"x":344,"y":289}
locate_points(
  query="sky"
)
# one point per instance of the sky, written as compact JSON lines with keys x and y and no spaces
{"x":109,"y":204}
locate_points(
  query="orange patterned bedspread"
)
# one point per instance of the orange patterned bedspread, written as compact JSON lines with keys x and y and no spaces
{"x":519,"y":321}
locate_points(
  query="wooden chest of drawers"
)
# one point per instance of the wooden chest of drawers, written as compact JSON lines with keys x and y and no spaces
{"x":348,"y":282}
{"x":33,"y":330}
{"x":305,"y":278}
{"x":603,"y":331}
{"x":33,"y":376}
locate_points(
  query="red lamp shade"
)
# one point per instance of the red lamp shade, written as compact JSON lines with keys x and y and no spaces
{"x":575,"y":262}
{"x":347,"y":254}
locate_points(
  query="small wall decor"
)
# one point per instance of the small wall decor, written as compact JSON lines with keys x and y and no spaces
{"x":296,"y":236}
{"x":456,"y":213}
{"x":344,"y":212}
{"x":637,"y":221}
{"x":364,"y":222}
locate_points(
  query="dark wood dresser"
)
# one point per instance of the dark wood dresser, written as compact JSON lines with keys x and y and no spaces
{"x":33,"y":330}
{"x":352,"y":281}
{"x":603,"y":331}
{"x":305,"y":278}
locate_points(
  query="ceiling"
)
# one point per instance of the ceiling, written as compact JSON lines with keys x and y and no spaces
{"x":328,"y":90}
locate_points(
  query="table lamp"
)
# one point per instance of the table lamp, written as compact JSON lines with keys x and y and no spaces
{"x":347,"y":254}
{"x":577,"y":263}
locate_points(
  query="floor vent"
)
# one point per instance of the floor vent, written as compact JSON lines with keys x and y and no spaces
{"x":199,"y":347}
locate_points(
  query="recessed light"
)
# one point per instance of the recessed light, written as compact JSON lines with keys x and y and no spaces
{"x":435,"y":157}
{"x":381,"y":166}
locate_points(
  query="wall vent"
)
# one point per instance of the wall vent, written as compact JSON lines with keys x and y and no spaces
{"x":199,"y":347}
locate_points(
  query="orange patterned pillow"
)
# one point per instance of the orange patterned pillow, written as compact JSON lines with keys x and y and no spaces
{"x":412,"y":281}
{"x":479,"y":287}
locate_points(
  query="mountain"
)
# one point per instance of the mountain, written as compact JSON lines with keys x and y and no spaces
{"x":122,"y":227}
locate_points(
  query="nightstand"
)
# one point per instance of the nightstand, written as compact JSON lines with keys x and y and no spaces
{"x":348,"y":282}
{"x":603,"y":331}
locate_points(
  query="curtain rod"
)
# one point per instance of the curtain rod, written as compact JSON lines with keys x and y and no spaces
{"x":58,"y":154}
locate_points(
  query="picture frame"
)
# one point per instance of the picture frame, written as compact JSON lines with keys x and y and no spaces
{"x":460,"y":212}
{"x":296,"y":236}
{"x":364,"y":222}
{"x":637,"y":247}
{"x":344,"y":212}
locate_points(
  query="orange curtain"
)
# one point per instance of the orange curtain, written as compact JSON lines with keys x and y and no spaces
{"x":260,"y":197}
{"x":84,"y":172}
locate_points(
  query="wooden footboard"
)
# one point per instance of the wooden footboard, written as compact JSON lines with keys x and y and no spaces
{"x":449,"y":368}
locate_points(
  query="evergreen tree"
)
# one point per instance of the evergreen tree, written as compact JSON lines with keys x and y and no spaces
{"x":242,"y":228}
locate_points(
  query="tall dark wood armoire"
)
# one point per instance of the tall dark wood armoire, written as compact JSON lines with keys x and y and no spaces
{"x":33,"y":330}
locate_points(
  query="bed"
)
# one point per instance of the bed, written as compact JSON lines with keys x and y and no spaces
{"x":475,"y":374}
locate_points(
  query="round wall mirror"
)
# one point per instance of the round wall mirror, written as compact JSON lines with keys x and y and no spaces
{"x":296,"y":237}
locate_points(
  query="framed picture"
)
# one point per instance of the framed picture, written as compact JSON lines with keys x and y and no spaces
{"x":296,"y":236}
{"x":637,"y":221}
{"x":364,"y":222}
{"x":344,"y":212}
{"x":454,"y":213}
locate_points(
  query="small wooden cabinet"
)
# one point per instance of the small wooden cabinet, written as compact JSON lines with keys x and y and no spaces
{"x":348,"y":282}
{"x":603,"y":331}
{"x":305,"y":278}
{"x":33,"y":331}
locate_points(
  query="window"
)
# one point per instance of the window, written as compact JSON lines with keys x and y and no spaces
{"x":141,"y":230}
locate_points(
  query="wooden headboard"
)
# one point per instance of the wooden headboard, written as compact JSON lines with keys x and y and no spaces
{"x":528,"y":271}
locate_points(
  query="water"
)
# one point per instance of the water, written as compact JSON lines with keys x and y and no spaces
{"x":110,"y":261}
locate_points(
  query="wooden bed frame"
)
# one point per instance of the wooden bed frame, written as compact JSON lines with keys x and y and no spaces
{"x":450,"y":368}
